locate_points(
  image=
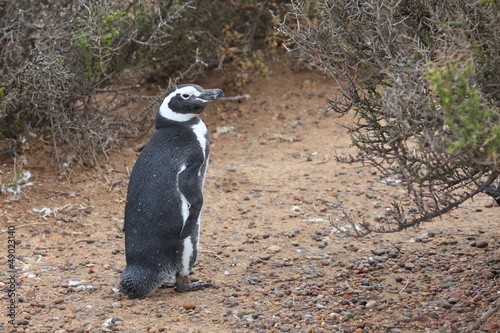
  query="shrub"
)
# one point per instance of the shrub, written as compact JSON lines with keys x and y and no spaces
{"x":58,"y":55}
{"x":422,"y":79}
{"x":68,"y":66}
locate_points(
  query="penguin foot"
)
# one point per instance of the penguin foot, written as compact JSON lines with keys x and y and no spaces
{"x":193,"y":286}
{"x":183,"y":285}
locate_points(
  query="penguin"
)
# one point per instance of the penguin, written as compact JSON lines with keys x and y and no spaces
{"x":493,"y":191}
{"x":165,"y":196}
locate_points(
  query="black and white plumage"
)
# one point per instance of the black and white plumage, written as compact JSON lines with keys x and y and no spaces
{"x":164,"y":199}
{"x":494,"y":192}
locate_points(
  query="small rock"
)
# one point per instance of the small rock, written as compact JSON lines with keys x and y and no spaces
{"x":189,"y":306}
{"x":274,"y":248}
{"x":409,"y":266}
{"x":490,"y":203}
{"x":265,"y":256}
{"x":446,"y":305}
{"x":347,"y":314}
{"x":482,"y":244}
{"x":74,"y":283}
{"x":492,"y":327}
{"x":371,"y":304}
{"x":432,"y":233}
{"x":488,"y":274}
{"x":58,"y":301}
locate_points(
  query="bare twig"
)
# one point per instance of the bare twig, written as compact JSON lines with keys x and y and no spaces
{"x":477,"y":325}
{"x":24,"y":226}
{"x":406,"y":285}
{"x":236,"y":98}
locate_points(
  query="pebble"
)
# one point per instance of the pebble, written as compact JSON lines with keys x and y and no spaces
{"x":347,"y":314}
{"x":274,"y":248}
{"x":409,"y":266}
{"x":371,"y":304}
{"x":492,"y":327}
{"x":74,"y":283}
{"x":482,"y":244}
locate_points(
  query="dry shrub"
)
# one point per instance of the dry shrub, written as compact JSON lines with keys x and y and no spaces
{"x":57,"y":56}
{"x":422,"y":79}
{"x":68,"y":66}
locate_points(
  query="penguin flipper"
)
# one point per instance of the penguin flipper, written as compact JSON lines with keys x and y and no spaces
{"x":190,"y":185}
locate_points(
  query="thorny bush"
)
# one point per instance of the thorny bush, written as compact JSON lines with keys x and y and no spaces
{"x":422,"y":79}
{"x":57,"y":56}
{"x":74,"y":68}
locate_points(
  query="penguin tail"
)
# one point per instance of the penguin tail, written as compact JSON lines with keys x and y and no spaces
{"x":139,"y":282}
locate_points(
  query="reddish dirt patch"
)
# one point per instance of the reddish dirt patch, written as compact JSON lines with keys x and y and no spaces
{"x":271,"y":188}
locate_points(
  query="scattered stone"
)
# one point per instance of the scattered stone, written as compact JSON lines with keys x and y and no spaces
{"x":274,"y":248}
{"x":433,"y":233}
{"x":347,"y":314}
{"x":491,"y":327}
{"x":266,"y":256}
{"x":379,"y":258}
{"x":409,"y":266}
{"x":189,"y":306}
{"x":371,"y":304}
{"x":488,"y":273}
{"x":74,"y":283}
{"x":392,"y":255}
{"x":482,"y":244}
{"x":490,"y":203}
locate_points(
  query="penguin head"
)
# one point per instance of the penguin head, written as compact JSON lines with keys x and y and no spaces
{"x":186,"y":101}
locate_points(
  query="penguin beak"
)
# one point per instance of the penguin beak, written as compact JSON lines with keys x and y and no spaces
{"x":210,"y":94}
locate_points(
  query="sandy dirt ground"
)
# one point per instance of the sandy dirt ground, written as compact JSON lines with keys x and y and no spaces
{"x":272,"y":188}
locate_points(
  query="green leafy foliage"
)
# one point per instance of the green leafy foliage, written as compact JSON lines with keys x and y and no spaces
{"x":475,"y":125}
{"x":106,"y":27}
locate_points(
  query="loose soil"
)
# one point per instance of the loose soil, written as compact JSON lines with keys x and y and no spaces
{"x":277,"y":265}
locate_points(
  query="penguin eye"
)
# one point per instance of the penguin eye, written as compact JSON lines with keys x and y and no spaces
{"x":185,"y":96}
